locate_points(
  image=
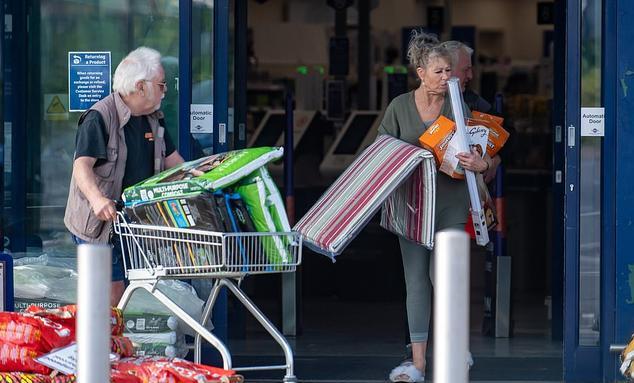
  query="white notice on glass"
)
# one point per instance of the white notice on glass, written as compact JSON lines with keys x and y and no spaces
{"x":592,"y":122}
{"x":201,"y":118}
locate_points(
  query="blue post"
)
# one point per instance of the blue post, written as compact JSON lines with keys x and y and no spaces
{"x":290,"y":296}
{"x":221,"y":75}
{"x":15,"y":84}
{"x":289,"y":167}
{"x":496,"y":264}
{"x":499,"y":234}
{"x":220,"y":139}
{"x":6,"y":282}
{"x":184,"y":78}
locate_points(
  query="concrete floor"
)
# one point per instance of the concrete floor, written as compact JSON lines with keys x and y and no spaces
{"x":363,"y":341}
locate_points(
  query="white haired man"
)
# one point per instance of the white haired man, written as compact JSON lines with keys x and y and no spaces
{"x":463,"y":69}
{"x":121,"y":140}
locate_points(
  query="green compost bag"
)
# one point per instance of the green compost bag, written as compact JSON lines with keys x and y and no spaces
{"x":202,"y":175}
{"x":265,"y":206}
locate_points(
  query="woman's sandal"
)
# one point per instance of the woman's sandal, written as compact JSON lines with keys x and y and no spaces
{"x":406,"y":372}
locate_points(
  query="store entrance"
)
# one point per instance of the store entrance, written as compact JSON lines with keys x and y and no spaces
{"x":352,"y":312}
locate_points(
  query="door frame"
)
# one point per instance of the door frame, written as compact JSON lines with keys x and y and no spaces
{"x":609,"y":253}
{"x":580,"y":362}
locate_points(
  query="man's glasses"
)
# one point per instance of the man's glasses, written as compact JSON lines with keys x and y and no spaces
{"x":162,"y":85}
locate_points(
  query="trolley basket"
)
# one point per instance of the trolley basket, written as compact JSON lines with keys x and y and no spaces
{"x":152,"y":253}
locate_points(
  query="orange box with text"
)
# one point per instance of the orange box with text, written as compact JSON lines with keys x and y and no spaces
{"x":497,"y":134}
{"x":436,"y":138}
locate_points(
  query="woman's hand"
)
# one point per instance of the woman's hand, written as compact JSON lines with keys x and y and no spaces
{"x":472,"y":161}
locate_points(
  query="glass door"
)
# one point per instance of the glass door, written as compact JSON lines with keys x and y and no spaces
{"x":40,"y":136}
{"x":585,"y":314}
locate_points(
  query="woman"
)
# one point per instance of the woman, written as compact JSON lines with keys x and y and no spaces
{"x":406,"y":118}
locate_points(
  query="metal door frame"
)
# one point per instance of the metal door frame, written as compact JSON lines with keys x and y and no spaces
{"x":590,"y":363}
{"x":579,"y":361}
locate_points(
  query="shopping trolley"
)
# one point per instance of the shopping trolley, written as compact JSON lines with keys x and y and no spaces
{"x":152,"y":253}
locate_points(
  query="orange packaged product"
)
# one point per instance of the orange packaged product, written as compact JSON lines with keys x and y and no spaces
{"x":485,"y":116}
{"x":437,"y":137}
{"x":497,"y":134}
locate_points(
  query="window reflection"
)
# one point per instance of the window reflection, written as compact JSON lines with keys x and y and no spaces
{"x":590,"y":178}
{"x":85,"y":25}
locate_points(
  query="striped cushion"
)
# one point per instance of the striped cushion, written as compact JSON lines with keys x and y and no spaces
{"x":409,"y":210}
{"x":357,"y":194}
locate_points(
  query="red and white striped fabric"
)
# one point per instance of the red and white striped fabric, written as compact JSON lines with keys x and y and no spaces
{"x":346,"y":207}
{"x":409,"y":210}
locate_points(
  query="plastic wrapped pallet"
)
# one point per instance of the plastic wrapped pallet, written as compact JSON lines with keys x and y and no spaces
{"x":144,"y":306}
{"x":346,"y":207}
{"x":148,"y":322}
{"x":170,"y":344}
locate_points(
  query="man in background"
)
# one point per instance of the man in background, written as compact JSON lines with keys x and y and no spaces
{"x":462,"y":68}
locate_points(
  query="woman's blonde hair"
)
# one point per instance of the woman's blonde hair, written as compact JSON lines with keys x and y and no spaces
{"x":423,"y":47}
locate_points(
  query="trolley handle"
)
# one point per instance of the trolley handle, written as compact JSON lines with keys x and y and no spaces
{"x":118,"y":204}
{"x":121,"y":219}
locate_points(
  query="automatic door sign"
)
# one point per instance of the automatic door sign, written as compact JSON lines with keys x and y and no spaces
{"x":592,"y":122}
{"x":201,"y":118}
{"x":88,"y":79}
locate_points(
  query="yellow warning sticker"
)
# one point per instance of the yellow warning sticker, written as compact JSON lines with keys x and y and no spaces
{"x":56,"y":106}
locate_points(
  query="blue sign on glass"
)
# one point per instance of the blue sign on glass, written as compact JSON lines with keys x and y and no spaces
{"x":88,"y":79}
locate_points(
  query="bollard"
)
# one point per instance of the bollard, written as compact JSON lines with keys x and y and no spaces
{"x":94,"y":264}
{"x":451,"y":307}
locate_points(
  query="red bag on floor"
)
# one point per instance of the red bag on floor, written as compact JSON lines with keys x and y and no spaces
{"x":121,"y":346}
{"x":174,"y":370}
{"x":14,"y":358}
{"x":34,"y":332}
{"x":68,"y":314}
{"x":21,"y":377}
{"x":115,"y":377}
{"x":64,"y":379}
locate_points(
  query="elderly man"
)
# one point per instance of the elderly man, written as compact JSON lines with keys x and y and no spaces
{"x":463,"y":69}
{"x":121,"y":140}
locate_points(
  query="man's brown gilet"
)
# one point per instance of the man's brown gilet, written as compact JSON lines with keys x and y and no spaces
{"x":79,"y":217}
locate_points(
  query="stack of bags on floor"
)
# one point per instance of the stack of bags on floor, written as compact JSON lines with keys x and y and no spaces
{"x":45,"y":281}
{"x":225,"y":192}
{"x":152,"y":328}
{"x":24,"y":337}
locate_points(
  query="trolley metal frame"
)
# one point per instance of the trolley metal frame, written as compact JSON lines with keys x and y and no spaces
{"x":152,"y":253}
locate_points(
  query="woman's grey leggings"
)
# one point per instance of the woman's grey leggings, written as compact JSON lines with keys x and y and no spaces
{"x":418,"y":267}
